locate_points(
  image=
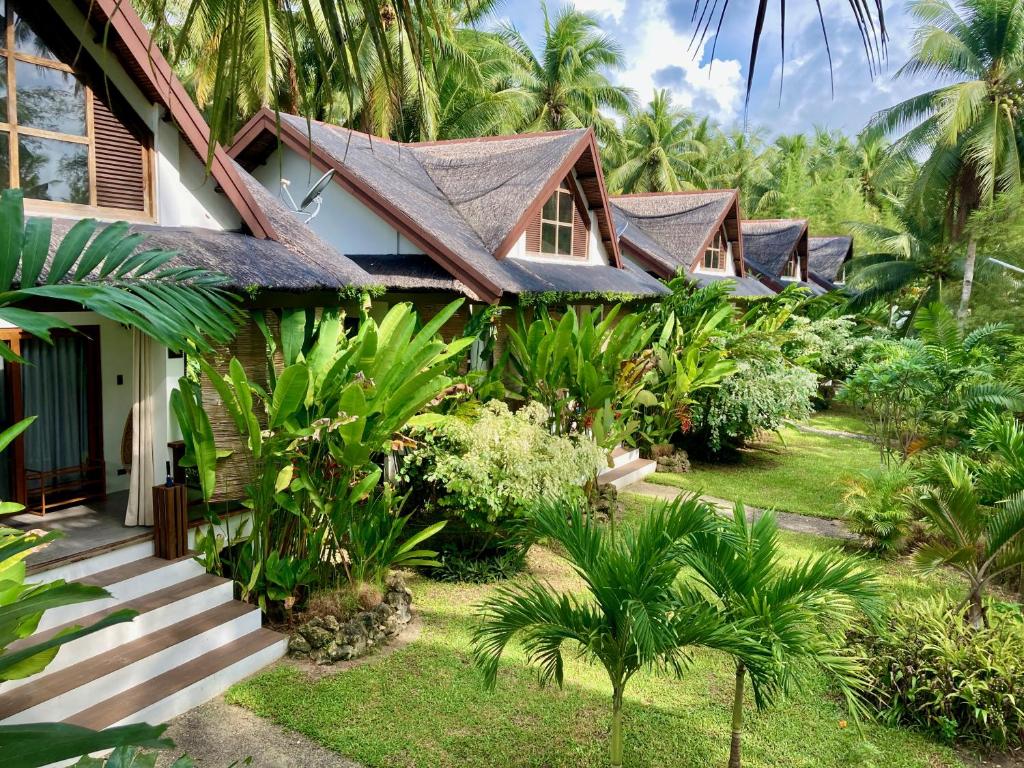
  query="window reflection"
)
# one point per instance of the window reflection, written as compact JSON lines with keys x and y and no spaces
{"x":49,"y":99}
{"x":54,"y":170}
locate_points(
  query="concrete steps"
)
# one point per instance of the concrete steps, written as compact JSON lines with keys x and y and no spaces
{"x":627,"y":468}
{"x":189,"y":642}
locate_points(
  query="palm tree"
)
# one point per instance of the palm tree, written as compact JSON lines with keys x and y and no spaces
{"x":978,"y":541}
{"x":661,"y":150}
{"x":447,"y":83}
{"x":970,"y":128}
{"x":910,"y":260}
{"x":634,"y":615}
{"x":798,"y":613}
{"x":566,"y":85}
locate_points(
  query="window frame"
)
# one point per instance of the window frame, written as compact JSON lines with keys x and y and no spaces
{"x":11,"y":130}
{"x":792,"y":269}
{"x":718,"y":250}
{"x":563,"y":194}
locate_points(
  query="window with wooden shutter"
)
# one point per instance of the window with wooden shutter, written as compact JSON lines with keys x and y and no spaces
{"x":59,"y":141}
{"x":559,"y":229}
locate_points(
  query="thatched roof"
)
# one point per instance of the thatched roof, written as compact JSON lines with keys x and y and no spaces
{"x":491,"y":182}
{"x":246,"y":261}
{"x":407,"y":271}
{"x":539,"y":276}
{"x":743,"y":287}
{"x":463,"y":201}
{"x":826,"y":255}
{"x":669,"y":232}
{"x":768,"y":243}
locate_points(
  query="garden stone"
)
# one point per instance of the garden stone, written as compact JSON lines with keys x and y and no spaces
{"x":299,"y":646}
{"x":316,"y":635}
{"x":338,"y":652}
{"x":330,"y":623}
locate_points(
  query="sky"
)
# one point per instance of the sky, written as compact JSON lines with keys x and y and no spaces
{"x":655,"y":37}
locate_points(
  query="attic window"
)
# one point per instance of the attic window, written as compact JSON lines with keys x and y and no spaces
{"x":561,"y":228}
{"x":716,"y":255}
{"x":792,"y":269}
{"x":58,"y":142}
{"x":556,"y":224}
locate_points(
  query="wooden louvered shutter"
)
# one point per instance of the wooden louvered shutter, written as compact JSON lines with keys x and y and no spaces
{"x":533,"y":234}
{"x":121,"y":156}
{"x":580,"y":233}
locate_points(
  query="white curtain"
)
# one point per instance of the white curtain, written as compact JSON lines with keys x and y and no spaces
{"x":140,"y":490}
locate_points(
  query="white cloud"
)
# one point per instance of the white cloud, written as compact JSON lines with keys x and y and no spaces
{"x":613,"y":9}
{"x":654,"y":45}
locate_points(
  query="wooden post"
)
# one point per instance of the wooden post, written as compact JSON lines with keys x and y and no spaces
{"x":170,"y":521}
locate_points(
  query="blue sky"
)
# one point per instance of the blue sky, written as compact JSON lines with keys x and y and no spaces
{"x":655,"y":35}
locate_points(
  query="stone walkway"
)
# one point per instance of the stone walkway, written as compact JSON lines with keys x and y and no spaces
{"x":788,"y":521}
{"x":218,"y":734}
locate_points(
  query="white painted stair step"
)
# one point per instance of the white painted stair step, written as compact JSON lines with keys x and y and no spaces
{"x":125,"y":582}
{"x":88,"y":566}
{"x":621,"y":456}
{"x":630,"y":473}
{"x":188,"y":685}
{"x":80,"y":686}
{"x":157,"y":610}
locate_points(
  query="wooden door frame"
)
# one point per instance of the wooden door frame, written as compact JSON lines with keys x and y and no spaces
{"x":93,"y":396}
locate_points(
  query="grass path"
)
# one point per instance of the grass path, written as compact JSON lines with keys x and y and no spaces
{"x":424,"y":705}
{"x":801,"y":473}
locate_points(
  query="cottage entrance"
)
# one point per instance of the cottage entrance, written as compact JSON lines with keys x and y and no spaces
{"x":58,"y":461}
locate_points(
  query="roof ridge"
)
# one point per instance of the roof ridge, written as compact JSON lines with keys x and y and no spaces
{"x":680,"y":193}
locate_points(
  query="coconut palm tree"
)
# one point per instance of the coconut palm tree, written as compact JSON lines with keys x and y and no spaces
{"x":970,"y":129}
{"x":910,"y":260}
{"x":978,"y":541}
{"x":661,"y":150}
{"x":566,"y":85}
{"x":798,"y":612}
{"x":634,"y":614}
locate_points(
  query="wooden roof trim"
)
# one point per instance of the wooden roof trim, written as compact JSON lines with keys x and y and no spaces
{"x":161,"y":80}
{"x":733,"y":207}
{"x":265,"y":120}
{"x":587,"y":143}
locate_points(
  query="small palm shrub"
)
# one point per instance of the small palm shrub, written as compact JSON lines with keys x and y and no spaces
{"x":485,"y":467}
{"x":932,"y":671}
{"x":878,"y":507}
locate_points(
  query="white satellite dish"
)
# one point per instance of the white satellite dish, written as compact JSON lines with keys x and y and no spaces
{"x":313,"y":197}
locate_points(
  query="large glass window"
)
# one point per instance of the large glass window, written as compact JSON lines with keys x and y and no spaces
{"x":556,"y":224}
{"x":45,"y":125}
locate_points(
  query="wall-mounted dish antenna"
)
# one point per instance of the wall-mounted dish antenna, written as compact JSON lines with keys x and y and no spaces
{"x":314,"y":197}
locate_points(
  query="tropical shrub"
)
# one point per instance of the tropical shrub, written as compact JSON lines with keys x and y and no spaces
{"x":830,"y":346}
{"x":758,"y":397}
{"x":455,"y":566}
{"x":930,"y":670}
{"x":581,"y":368}
{"x":315,"y":443}
{"x":878,"y":507}
{"x":934,"y":386}
{"x":486,"y":467}
{"x":978,"y":541}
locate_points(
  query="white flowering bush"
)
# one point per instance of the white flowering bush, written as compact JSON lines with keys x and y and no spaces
{"x":494,"y":465}
{"x":831,"y":346}
{"x":758,"y":397}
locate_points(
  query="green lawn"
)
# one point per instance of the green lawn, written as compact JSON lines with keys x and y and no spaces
{"x":843,"y":418}
{"x":802,"y":473}
{"x":423,"y":705}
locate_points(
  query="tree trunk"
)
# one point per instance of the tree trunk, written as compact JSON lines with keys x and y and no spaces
{"x":616,"y":740}
{"x":965,"y":293}
{"x":976,"y":610}
{"x":735,"y":748}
